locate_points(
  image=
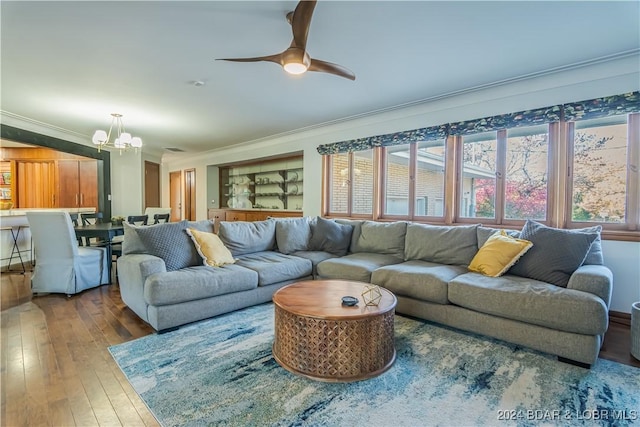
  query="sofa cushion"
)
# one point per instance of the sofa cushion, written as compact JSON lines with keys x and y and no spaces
{"x":484,"y":233}
{"x":316,"y":257}
{"x":356,"y":267}
{"x":355,"y":234}
{"x":131,"y":243}
{"x":330,"y":236}
{"x":194,"y":283}
{"x":274,"y":267}
{"x":247,"y":237}
{"x":441,"y":244}
{"x":555,"y":254}
{"x":293,"y":234}
{"x":170,"y":242}
{"x":421,"y":280}
{"x":210,"y":248}
{"x":498,"y":254}
{"x":531,"y":301}
{"x":382,"y":238}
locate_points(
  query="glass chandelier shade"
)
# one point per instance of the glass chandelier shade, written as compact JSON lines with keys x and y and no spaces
{"x":123,"y":140}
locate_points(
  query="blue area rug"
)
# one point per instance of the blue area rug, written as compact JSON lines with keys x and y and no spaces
{"x":221,"y":372}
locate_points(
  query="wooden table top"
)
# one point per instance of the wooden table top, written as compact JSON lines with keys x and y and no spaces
{"x":323,"y":299}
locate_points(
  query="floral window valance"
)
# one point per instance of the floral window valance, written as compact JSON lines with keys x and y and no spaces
{"x":593,"y":108}
{"x":507,"y":121}
{"x":602,"y":107}
{"x":397,"y":138}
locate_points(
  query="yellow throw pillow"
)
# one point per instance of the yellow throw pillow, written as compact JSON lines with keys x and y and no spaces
{"x":498,"y":254}
{"x":211,"y":249}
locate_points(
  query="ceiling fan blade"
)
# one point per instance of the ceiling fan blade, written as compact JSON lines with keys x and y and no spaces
{"x":277,"y":58}
{"x":301,"y":21}
{"x":331,"y":68}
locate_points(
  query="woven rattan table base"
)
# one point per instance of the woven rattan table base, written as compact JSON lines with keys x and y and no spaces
{"x":334,"y":350}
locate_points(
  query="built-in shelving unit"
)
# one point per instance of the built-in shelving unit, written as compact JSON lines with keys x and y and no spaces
{"x":7,"y":182}
{"x":269,"y":185}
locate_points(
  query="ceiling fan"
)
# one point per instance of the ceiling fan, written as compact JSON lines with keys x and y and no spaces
{"x":295,"y":59}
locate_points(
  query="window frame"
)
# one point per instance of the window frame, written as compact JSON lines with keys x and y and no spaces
{"x":327,"y":183}
{"x":412,"y":184}
{"x":632,"y":190}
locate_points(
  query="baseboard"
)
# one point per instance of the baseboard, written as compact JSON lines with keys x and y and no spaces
{"x":620,"y":318}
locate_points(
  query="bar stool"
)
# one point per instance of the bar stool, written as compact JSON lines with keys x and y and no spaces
{"x":15,"y":249}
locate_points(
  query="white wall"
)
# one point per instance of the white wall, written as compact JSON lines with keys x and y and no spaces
{"x":607,"y":78}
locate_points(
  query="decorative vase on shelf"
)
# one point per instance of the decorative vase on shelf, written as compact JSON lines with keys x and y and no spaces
{"x":635,"y":330}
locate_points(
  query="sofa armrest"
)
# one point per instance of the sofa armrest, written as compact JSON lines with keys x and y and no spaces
{"x":595,"y":279}
{"x":133,"y":271}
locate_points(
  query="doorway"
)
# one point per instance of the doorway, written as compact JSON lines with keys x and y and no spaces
{"x":190,"y":194}
{"x":151,"y":184}
{"x":175,"y":195}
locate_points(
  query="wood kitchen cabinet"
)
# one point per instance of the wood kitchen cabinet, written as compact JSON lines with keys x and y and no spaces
{"x":35,"y":184}
{"x":77,"y":184}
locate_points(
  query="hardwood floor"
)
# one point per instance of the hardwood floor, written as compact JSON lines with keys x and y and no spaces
{"x":56,"y":369}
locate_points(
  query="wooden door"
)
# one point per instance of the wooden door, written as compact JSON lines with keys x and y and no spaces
{"x":190,"y":194}
{"x":151,"y":185}
{"x":88,"y":185}
{"x":68,"y":184}
{"x":175,"y":195}
{"x":35,"y":184}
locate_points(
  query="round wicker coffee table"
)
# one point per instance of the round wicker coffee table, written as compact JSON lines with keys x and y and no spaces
{"x":318,"y":337}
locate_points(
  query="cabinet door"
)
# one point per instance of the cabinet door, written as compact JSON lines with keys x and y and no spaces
{"x":35,"y":184}
{"x":68,"y":184}
{"x":88,"y":171}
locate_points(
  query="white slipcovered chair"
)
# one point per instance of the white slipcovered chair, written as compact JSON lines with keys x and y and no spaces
{"x":62,"y":266}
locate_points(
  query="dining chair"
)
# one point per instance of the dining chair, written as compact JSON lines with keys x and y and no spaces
{"x":138,"y":219}
{"x":63,"y":266}
{"x":158,"y":218}
{"x":92,"y":218}
{"x":74,"y":221}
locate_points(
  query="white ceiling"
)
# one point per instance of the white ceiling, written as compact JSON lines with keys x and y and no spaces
{"x":71,"y":64}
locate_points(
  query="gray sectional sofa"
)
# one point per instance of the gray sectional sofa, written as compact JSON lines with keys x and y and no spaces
{"x":425,"y":266}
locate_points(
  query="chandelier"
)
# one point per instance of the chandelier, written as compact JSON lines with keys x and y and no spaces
{"x":123,"y":141}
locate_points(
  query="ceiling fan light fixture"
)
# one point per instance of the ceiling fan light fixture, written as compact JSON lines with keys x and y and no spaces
{"x":295,"y":68}
{"x":295,"y":60}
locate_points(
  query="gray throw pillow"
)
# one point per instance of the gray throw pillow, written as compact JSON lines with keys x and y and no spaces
{"x":382,"y":237}
{"x":248,"y":237}
{"x":485,"y":232}
{"x":131,"y":243}
{"x":170,"y":242}
{"x":595,"y":255}
{"x":451,"y":245}
{"x":355,"y":234}
{"x":293,"y":235}
{"x":555,"y":255}
{"x":329,"y":236}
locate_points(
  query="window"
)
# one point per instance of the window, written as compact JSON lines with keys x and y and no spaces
{"x":571,"y":165}
{"x":351,"y":183}
{"x":340,"y":183}
{"x":505,"y":175}
{"x":430,"y":168}
{"x":526,"y":173}
{"x":478,"y":183}
{"x":414,"y":179}
{"x":362,"y":190}
{"x":603,"y":171}
{"x":397,"y":179}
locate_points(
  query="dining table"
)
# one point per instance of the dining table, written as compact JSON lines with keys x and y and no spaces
{"x":105,"y":231}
